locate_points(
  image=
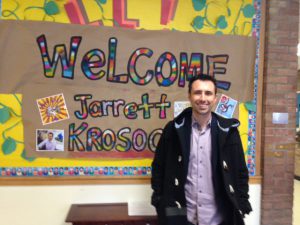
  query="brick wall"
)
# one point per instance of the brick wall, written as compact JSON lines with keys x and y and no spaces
{"x":279,"y":95}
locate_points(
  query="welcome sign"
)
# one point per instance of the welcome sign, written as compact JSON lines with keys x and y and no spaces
{"x":108,"y":92}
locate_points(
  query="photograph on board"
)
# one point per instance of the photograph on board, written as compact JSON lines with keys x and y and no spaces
{"x":49,"y":140}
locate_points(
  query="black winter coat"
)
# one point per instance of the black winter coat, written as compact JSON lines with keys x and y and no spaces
{"x":170,"y":168}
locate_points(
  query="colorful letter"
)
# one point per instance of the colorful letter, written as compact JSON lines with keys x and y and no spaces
{"x":122,"y":78}
{"x":212,"y":69}
{"x":145,"y":106}
{"x":162,"y":105}
{"x":92,"y":139}
{"x":59,"y":53}
{"x":87,"y":65}
{"x":187,"y":71}
{"x":95,"y":109}
{"x":84,"y":108}
{"x":73,"y":137}
{"x":132,"y":67}
{"x":136,"y":144}
{"x":155,"y":134}
{"x":130,"y":110}
{"x":161,"y":80}
{"x":108,"y":144}
{"x":124,"y":139}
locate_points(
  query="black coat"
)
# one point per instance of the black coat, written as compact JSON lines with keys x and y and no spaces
{"x":170,"y":168}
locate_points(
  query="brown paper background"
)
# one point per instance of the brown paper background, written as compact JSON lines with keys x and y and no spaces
{"x":21,"y":71}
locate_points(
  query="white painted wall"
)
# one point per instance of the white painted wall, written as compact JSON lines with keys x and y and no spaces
{"x":255,"y":199}
{"x":49,"y":205}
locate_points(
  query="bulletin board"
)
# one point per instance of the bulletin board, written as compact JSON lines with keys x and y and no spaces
{"x":239,"y":18}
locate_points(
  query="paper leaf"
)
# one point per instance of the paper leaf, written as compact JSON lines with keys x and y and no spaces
{"x":198,"y":22}
{"x":250,"y":106}
{"x":249,"y":11}
{"x":199,"y":4}
{"x":51,"y":8}
{"x":4,"y":114}
{"x":101,"y":1}
{"x":222,"y":23}
{"x":23,"y":155}
{"x":9,"y":146}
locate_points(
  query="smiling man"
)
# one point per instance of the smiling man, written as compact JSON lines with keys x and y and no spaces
{"x":49,"y":143}
{"x":199,"y":174}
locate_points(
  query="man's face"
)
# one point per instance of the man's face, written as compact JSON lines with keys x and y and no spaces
{"x":50,"y":136}
{"x":202,"y":97}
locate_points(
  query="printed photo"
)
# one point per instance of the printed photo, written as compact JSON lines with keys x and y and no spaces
{"x":52,"y":109}
{"x":49,"y":140}
{"x":179,"y":106}
{"x":226,"y":106}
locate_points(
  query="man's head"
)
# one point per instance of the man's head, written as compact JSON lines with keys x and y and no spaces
{"x":202,"y":94}
{"x":203,"y":78}
{"x":50,"y":136}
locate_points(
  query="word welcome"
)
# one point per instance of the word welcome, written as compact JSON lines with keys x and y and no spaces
{"x":94,"y":61}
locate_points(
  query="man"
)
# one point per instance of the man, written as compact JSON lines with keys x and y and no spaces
{"x":199,"y":175}
{"x":48,"y":144}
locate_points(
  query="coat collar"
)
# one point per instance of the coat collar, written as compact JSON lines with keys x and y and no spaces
{"x":223,"y":124}
{"x":220,"y":130}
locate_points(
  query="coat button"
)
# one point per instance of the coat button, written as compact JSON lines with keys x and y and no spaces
{"x":178,"y":204}
{"x":225,"y":166}
{"x":176,"y":182}
{"x":179,"y":158}
{"x":240,"y":212}
{"x":231,"y":189}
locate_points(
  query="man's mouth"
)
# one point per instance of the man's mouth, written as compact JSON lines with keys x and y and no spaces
{"x":202,"y":106}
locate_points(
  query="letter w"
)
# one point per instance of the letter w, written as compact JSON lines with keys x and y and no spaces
{"x":59,"y":53}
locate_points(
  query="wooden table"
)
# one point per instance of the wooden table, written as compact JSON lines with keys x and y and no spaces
{"x":106,"y":214}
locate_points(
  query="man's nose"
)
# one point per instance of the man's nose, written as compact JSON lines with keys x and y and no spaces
{"x":202,"y":97}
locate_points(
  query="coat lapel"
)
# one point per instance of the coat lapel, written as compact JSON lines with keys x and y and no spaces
{"x":222,"y":135}
{"x":218,"y":137}
{"x":184,"y":132}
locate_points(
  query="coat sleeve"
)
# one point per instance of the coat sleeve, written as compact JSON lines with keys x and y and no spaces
{"x":242,"y":179}
{"x":158,"y":168}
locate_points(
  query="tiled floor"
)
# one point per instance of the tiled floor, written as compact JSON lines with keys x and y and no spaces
{"x":296,"y":208}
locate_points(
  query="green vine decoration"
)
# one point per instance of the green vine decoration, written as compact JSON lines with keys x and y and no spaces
{"x":10,"y":144}
{"x":199,"y":22}
{"x":103,"y":18}
{"x":50,"y":8}
{"x":8,"y":13}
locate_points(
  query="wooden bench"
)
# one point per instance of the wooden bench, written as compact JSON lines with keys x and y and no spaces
{"x":106,"y":214}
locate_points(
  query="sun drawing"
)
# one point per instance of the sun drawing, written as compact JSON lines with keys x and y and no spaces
{"x":52,"y":109}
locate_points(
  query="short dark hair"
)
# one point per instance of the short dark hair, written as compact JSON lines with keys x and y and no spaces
{"x":202,"y":77}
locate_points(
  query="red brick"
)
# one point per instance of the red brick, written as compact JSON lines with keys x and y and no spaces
{"x":288,"y":57}
{"x":277,"y":48}
{"x":279,"y":88}
{"x":287,"y":71}
{"x":293,"y":65}
{"x":287,"y":41}
{"x":277,"y":79}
